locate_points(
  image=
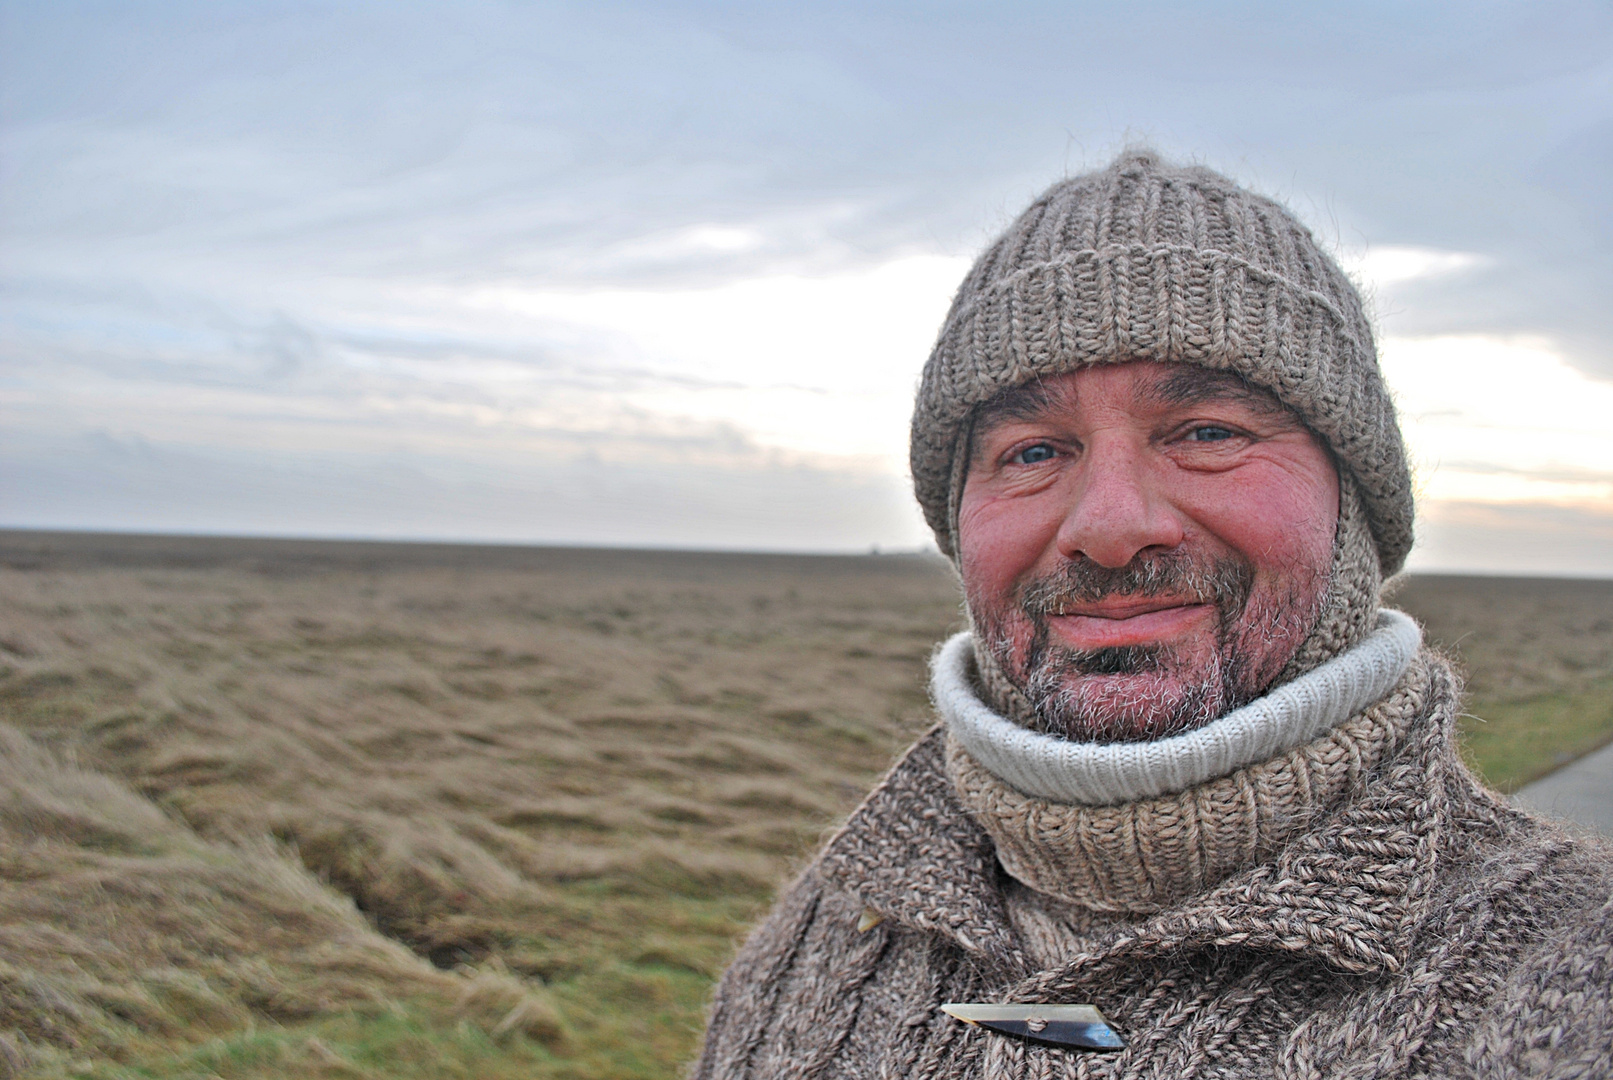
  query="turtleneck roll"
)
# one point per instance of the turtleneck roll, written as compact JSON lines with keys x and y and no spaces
{"x":1145,"y":854}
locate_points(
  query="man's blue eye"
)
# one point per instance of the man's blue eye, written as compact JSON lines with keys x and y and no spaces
{"x":1033,"y":454}
{"x":1210,"y":434}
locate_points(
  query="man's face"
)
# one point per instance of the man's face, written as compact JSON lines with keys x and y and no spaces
{"x":1144,"y":545}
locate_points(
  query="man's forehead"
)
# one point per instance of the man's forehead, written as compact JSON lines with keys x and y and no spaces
{"x":1156,"y":385}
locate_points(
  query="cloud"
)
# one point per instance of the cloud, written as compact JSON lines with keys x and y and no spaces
{"x":107,"y":481}
{"x":1517,"y":538}
{"x":1392,"y":265}
{"x":1512,"y":452}
{"x":1501,"y":419}
{"x":803,"y":367}
{"x":678,"y":239}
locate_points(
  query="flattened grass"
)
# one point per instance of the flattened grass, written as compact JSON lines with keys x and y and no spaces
{"x":1538,"y":657}
{"x":577,"y":779}
{"x":1514,"y":742}
{"x":396,"y":811}
{"x":406,"y":1042}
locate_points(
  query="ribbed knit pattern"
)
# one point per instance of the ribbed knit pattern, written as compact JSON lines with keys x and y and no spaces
{"x":1143,"y":855}
{"x":1099,"y":774}
{"x":1355,"y":583}
{"x":1144,"y":261}
{"x":1421,"y":928}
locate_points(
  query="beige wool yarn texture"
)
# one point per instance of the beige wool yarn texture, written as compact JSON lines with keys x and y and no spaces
{"x":1418,"y":926}
{"x":1148,"y":261}
{"x":1144,"y":855}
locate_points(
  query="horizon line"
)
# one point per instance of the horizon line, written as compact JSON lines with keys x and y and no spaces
{"x":873,"y":551}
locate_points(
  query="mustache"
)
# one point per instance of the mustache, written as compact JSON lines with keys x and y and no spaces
{"x":1223,"y":583}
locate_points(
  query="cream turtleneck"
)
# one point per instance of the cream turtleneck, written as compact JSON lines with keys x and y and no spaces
{"x":1097,"y":774}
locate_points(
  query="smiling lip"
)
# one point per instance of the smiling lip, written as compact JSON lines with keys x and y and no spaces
{"x":1119,"y":622}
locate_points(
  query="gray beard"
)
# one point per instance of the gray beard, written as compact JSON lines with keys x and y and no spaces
{"x":1051,"y":675}
{"x":1061,"y":710}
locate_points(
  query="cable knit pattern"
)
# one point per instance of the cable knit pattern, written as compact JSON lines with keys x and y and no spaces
{"x":1420,"y":928}
{"x":1354,"y":585}
{"x":1140,"y":856}
{"x":1098,"y":774}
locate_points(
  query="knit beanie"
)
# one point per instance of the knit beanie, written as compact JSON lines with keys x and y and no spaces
{"x":1148,"y":261}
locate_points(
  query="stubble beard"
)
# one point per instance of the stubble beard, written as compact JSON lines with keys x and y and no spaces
{"x":1144,"y":692}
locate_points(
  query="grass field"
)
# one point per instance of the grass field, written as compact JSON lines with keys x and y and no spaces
{"x":351,"y":810}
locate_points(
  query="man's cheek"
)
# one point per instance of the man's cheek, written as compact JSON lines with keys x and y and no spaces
{"x":1006,"y":628}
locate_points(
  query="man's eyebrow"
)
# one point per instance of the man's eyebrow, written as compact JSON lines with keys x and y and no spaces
{"x":1025,"y":402}
{"x":1190,"y":385}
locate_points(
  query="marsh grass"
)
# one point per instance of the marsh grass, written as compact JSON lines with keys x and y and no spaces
{"x":1514,"y":742}
{"x":1537,"y":654}
{"x":575,"y":778}
{"x":407,"y":811}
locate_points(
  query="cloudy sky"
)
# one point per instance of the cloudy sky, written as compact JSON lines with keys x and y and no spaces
{"x":665,"y":274}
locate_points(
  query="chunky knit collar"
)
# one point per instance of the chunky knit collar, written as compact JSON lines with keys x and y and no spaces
{"x":1142,"y":856}
{"x":1350,"y":891}
{"x":1098,"y":774}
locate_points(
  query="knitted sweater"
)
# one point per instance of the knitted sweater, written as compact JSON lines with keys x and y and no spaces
{"x":1418,"y":927}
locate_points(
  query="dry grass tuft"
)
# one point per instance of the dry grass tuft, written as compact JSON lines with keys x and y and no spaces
{"x":1538,"y":657}
{"x":557,"y":791}
{"x":123,"y":933}
{"x":313,"y":809}
{"x":507,"y":1006}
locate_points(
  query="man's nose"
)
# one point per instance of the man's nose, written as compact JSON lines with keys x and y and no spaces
{"x":1119,"y":509}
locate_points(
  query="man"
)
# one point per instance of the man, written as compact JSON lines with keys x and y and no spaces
{"x":1188,"y":773}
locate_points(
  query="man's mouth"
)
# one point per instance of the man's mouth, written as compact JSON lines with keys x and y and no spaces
{"x":1128,"y":620}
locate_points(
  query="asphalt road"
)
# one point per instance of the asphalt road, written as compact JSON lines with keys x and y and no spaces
{"x":1580,"y":792}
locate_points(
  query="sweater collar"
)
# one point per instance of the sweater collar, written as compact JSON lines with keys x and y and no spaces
{"x":1098,"y":774}
{"x":1350,"y":892}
